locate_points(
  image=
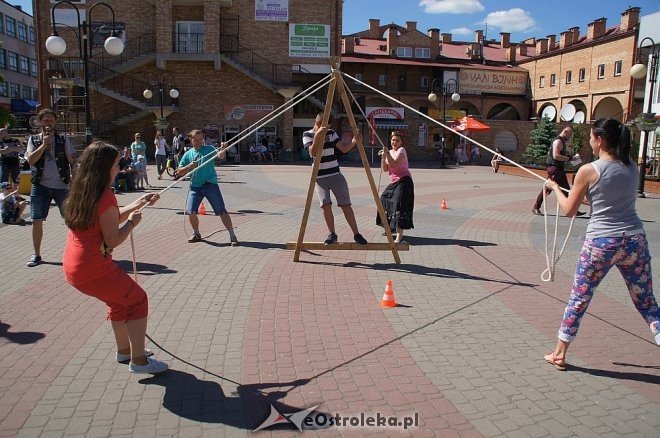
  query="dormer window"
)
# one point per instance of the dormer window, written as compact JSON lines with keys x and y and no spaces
{"x":422,"y":52}
{"x":404,"y":52}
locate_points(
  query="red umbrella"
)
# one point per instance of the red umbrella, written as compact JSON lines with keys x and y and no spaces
{"x":467,"y":123}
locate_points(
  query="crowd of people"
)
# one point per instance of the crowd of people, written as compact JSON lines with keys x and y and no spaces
{"x":97,"y":224}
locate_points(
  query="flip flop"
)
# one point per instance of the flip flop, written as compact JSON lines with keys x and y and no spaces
{"x":558,"y":362}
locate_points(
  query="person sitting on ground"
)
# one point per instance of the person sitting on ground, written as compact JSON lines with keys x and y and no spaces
{"x":329,"y":178}
{"x":11,"y":208}
{"x":94,"y":218}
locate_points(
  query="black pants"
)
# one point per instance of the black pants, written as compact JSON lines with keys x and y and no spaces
{"x":558,"y":175}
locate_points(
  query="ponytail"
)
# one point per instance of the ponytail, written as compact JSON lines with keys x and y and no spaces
{"x":616,"y":136}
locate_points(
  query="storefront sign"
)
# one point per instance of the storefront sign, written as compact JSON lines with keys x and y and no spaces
{"x":436,"y":114}
{"x":379,"y":112}
{"x":488,"y":81}
{"x":248,"y":112}
{"x":309,"y":40}
{"x":271,"y":10}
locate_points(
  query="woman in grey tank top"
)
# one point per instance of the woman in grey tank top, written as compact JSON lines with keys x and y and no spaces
{"x":615,"y":235}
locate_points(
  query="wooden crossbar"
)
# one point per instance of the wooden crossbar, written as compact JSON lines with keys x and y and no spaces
{"x":348,"y":246}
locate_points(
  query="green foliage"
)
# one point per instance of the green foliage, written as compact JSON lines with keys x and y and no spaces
{"x":541,"y":139}
{"x":6,"y":118}
{"x":577,"y":143}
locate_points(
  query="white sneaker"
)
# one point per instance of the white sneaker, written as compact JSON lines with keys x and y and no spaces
{"x":153,"y":366}
{"x":124,"y":358}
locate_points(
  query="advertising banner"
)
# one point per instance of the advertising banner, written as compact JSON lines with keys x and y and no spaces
{"x":489,"y":81}
{"x":309,"y":40}
{"x":271,"y":10}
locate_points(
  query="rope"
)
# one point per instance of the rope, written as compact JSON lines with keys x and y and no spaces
{"x":548,"y":275}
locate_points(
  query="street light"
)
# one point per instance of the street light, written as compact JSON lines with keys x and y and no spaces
{"x":56,"y":46}
{"x":647,"y":119}
{"x":445,"y":90}
{"x":161,"y":82}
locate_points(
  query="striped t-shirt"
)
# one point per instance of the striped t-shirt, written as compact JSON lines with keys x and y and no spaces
{"x":328,"y":165}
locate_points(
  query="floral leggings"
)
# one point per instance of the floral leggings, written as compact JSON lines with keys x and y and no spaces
{"x":630,"y":254}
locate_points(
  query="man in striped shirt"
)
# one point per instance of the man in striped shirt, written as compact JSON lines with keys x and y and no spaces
{"x":329,"y":178}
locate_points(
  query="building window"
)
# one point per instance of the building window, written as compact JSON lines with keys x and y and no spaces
{"x":22,"y":32}
{"x":33,"y":67}
{"x":26,"y":92}
{"x":553,"y":80}
{"x":14,"y":91}
{"x":617,"y":68}
{"x":35,"y":94}
{"x":31,"y":35}
{"x":3,"y":58}
{"x":583,"y":75}
{"x":11,"y":27}
{"x":2,"y":23}
{"x":404,"y":52}
{"x":542,"y":82}
{"x":424,"y":83}
{"x":601,"y":71}
{"x":358,"y":76}
{"x":422,"y":52}
{"x":4,"y":90}
{"x":569,"y":77}
{"x":25,"y":65}
{"x":190,"y":36}
{"x":382,"y":80}
{"x":13,"y":61}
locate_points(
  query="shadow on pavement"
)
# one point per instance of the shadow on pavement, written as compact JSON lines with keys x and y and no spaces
{"x":255,"y":212}
{"x":19,"y":337}
{"x":433,"y":241}
{"x":256,"y":245}
{"x":145,"y":268}
{"x":205,"y":401}
{"x":637,"y":377}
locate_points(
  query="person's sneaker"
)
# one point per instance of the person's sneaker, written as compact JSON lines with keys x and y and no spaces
{"x":332,"y":238}
{"x":196,"y":237}
{"x":153,"y":366}
{"x":125,"y":358}
{"x":34,"y":261}
{"x":233,"y":241}
{"x":537,"y":212}
{"x":655,"y":329}
{"x":359,"y":239}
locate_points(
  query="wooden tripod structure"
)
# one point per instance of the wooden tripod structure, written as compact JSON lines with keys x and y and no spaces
{"x":337,"y":84}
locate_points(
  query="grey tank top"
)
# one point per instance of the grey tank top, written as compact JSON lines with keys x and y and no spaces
{"x":612,"y":199}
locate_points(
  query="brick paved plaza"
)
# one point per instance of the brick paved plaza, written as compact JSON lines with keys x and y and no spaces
{"x":464,"y":351}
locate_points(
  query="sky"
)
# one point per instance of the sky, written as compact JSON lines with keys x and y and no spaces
{"x":522,"y":18}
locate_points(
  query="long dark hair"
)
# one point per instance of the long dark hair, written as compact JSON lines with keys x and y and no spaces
{"x":88,"y":185}
{"x":616,"y":136}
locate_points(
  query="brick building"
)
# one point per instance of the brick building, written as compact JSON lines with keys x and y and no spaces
{"x":18,"y":63}
{"x":408,"y":64}
{"x":232,"y":63}
{"x":588,"y":71}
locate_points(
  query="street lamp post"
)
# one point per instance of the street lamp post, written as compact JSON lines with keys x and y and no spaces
{"x":56,"y":46}
{"x":446,"y":89}
{"x":646,"y":121}
{"x":161,"y":83}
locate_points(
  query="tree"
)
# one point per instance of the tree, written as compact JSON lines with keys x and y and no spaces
{"x":541,"y":139}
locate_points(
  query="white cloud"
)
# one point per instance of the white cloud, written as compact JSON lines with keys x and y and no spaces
{"x":461,"y":31}
{"x":451,"y":6}
{"x":513,"y":20}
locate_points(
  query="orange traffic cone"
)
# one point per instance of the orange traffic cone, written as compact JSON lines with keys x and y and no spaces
{"x":202,"y":209}
{"x":388,"y":297}
{"x":443,"y":204}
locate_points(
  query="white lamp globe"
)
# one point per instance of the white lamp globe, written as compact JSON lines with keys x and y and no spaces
{"x":174,"y":93}
{"x":432,"y":97}
{"x":114,"y":46}
{"x":455,"y":97}
{"x":147,"y":94}
{"x":55,"y":45}
{"x":637,"y":71}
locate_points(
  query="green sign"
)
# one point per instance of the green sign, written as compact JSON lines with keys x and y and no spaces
{"x":309,"y":40}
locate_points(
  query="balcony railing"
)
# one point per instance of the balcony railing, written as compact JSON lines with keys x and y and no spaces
{"x":189,"y":43}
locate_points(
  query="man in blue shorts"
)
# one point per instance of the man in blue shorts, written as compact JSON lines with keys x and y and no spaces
{"x":329,"y":178}
{"x":50,"y":156}
{"x":203,"y":184}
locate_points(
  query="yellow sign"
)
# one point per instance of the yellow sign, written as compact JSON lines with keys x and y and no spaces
{"x":449,"y":114}
{"x":492,"y":81}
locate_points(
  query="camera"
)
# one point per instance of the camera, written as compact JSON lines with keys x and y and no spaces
{"x":47,"y":130}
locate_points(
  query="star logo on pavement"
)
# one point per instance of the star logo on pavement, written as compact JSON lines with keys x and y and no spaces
{"x":276,"y":417}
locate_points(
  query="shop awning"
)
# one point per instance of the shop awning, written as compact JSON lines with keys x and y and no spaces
{"x":391,"y":124}
{"x":23,"y":106}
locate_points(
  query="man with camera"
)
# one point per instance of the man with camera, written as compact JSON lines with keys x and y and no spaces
{"x":50,"y":156}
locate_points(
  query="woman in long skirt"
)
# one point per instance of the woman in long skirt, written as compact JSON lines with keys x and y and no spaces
{"x":398,"y":198}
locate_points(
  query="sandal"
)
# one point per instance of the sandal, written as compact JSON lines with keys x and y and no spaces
{"x":559,"y":362}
